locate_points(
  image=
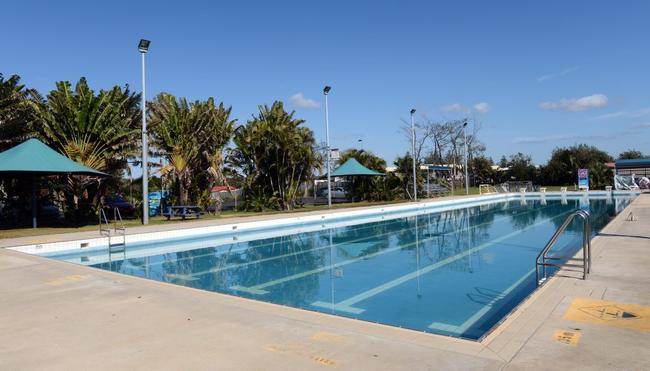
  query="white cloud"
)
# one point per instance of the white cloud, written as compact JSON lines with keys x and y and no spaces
{"x":555,"y":75}
{"x":482,"y":107}
{"x":456,"y":107}
{"x":576,"y":104}
{"x":299,"y":100}
{"x":624,"y":114}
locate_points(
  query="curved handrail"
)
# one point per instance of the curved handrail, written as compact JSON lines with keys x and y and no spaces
{"x":586,"y":243}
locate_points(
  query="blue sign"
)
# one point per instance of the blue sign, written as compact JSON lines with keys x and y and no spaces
{"x":155,"y":199}
{"x":583,"y":179}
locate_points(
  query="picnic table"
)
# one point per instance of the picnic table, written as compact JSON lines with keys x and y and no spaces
{"x":183,"y":211}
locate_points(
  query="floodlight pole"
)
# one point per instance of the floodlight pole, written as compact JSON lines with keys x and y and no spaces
{"x":145,"y":145}
{"x":466,"y":170}
{"x":326,"y":91}
{"x":415,"y":183}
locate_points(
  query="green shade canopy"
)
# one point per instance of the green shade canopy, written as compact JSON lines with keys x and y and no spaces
{"x":34,"y":157}
{"x":352,"y":167}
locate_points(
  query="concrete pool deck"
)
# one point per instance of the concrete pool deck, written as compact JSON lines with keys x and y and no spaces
{"x":57,"y":315}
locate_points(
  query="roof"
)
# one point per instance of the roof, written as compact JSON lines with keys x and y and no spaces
{"x":222,"y":188}
{"x":637,"y":163}
{"x":352,"y":167}
{"x":34,"y":157}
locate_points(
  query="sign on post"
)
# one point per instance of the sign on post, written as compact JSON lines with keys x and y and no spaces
{"x":583,"y":179}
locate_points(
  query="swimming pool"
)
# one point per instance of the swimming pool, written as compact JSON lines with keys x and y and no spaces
{"x":454,"y":270}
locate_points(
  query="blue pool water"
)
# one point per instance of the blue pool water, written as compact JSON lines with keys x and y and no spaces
{"x":456,"y":272}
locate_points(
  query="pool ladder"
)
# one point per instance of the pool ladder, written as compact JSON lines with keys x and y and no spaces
{"x":116,"y":231}
{"x":543,"y":258}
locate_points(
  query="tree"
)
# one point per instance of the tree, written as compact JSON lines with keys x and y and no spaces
{"x":481,"y":167}
{"x":366,"y":188}
{"x":16,"y":112}
{"x":631,"y":154}
{"x":97,"y":130}
{"x":189,"y":136}
{"x":521,"y":168}
{"x":562,"y":167}
{"x":276,"y":154}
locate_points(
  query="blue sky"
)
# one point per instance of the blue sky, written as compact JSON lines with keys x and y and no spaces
{"x":535,"y":74}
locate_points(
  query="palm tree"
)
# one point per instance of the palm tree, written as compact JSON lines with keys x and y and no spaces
{"x":16,"y":113}
{"x":97,"y":130}
{"x":182,"y":131}
{"x":276,"y":154}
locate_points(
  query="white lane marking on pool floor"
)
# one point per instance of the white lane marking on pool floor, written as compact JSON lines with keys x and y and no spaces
{"x":460,"y":329}
{"x":347,"y":305}
{"x":259,"y":289}
{"x":193,"y":275}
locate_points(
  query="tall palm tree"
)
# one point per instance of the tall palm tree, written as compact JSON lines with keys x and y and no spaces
{"x":276,"y":154}
{"x":182,"y":131}
{"x":97,"y":130}
{"x":16,"y":113}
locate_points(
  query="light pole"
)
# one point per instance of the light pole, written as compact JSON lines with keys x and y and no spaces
{"x":326,"y":91}
{"x":415,"y":183}
{"x":466,"y":170}
{"x":143,"y":47}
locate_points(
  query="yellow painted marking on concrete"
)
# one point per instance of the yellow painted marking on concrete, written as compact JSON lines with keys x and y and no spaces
{"x":609,"y":313}
{"x":329,"y":337}
{"x":66,"y":279}
{"x":272,"y":348}
{"x":568,"y":337}
{"x":323,"y":361}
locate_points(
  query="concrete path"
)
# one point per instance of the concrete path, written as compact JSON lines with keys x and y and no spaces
{"x":61,"y":316}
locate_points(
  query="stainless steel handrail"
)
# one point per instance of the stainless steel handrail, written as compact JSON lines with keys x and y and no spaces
{"x":103,"y":218}
{"x":586,"y":246}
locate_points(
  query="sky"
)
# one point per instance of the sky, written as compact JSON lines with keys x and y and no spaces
{"x":534,"y":75}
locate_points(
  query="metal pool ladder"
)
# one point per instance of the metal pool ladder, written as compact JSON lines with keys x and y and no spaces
{"x":543,"y":258}
{"x":105,"y":230}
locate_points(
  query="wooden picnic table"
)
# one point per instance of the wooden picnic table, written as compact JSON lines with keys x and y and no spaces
{"x":182,"y":211}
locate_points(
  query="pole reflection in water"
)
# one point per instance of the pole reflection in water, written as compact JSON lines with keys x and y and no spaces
{"x":417,"y":256}
{"x":332,"y":273}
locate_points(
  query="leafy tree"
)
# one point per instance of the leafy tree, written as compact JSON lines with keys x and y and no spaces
{"x":562,"y":167}
{"x":631,"y":154}
{"x":367,"y":188}
{"x":189,"y":136}
{"x":481,"y":167}
{"x":521,"y":168}
{"x":16,"y":112}
{"x":97,"y":130}
{"x":404,"y":173}
{"x":276,"y":154}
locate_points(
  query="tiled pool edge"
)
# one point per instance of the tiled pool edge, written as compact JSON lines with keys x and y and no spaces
{"x":250,"y":226}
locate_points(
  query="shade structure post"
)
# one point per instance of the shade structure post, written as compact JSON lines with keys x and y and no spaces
{"x":34,"y":202}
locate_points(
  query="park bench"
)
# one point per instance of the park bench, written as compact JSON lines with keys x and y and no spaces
{"x":182,"y":212}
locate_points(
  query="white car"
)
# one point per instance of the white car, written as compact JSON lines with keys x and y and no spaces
{"x":337,"y":192}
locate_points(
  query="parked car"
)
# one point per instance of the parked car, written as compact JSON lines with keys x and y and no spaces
{"x":337,"y":192}
{"x":127,"y":210}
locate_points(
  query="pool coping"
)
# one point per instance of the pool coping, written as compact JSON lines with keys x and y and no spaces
{"x":501,"y":344}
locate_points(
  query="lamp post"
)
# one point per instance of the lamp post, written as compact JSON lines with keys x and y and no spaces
{"x":466,"y":170}
{"x":143,"y":47}
{"x":326,"y":91}
{"x":415,"y":183}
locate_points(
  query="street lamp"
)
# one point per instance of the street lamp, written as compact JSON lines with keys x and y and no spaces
{"x":415,"y":183}
{"x":143,"y":47}
{"x":326,"y":91}
{"x":466,"y":170}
